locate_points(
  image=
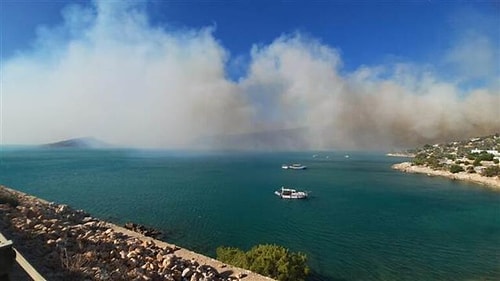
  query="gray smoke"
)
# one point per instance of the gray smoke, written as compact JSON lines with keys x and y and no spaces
{"x":119,"y":79}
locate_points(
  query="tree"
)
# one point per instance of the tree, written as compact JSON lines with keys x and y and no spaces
{"x":456,"y":168}
{"x":269,"y":260}
{"x":233,"y":256}
{"x":420,"y":158}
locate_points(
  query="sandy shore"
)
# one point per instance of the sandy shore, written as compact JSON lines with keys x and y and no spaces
{"x":66,"y":244}
{"x":493,"y":182}
{"x":400,"y":154}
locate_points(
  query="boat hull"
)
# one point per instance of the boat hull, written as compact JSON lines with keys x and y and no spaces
{"x":287,"y":194}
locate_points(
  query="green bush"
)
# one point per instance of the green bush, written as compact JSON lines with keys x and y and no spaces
{"x":420,"y":159}
{"x":492,"y":171}
{"x":456,"y":168}
{"x":232,"y":256}
{"x":484,"y":156}
{"x":472,"y":156}
{"x":270,"y":260}
{"x":7,"y":198}
{"x":496,"y":161}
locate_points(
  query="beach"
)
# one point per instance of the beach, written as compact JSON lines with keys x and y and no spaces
{"x":67,"y":244}
{"x":492,"y":182}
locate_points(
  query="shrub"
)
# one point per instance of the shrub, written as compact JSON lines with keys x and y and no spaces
{"x":232,"y":256}
{"x":456,"y":168}
{"x":492,"y":171}
{"x":470,"y":170}
{"x":496,"y":161}
{"x":8,"y":198}
{"x":270,"y":260}
{"x":472,"y":156}
{"x":420,"y":159}
{"x":484,"y":156}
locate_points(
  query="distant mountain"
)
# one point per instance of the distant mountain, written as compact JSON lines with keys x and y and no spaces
{"x":87,"y":142}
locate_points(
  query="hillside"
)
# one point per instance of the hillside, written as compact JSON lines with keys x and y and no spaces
{"x":476,"y":159}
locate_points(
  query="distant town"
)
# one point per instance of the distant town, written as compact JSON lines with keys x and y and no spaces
{"x":479,"y":155}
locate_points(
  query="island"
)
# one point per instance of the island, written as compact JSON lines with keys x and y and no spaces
{"x":79,"y":143}
{"x":475,"y":160}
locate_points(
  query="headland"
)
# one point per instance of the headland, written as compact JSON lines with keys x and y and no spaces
{"x":475,"y":160}
{"x":408,"y":167}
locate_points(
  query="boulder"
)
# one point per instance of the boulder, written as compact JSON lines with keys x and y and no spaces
{"x":187,"y":272}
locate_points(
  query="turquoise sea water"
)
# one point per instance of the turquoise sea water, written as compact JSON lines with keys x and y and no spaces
{"x":363,"y":221}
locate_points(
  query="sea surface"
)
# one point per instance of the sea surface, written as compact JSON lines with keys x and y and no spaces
{"x":363,"y":221}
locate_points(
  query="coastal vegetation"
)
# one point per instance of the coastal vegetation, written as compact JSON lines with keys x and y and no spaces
{"x":476,"y":155}
{"x":7,"y":198}
{"x":270,"y":260}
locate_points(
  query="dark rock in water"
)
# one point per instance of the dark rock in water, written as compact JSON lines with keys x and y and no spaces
{"x":146,"y":231}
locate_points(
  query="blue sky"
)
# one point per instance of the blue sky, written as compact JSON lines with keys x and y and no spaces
{"x":366,"y":32}
{"x":355,"y":74}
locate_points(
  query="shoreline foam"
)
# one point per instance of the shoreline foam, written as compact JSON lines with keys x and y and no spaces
{"x":63,"y":243}
{"x":407,"y":167}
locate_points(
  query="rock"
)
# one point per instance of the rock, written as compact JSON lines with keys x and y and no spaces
{"x":187,"y":272}
{"x":87,"y":219}
{"x":131,"y":255}
{"x":122,"y":254}
{"x":196,"y":276}
{"x":132,"y":262}
{"x":62,"y":209}
{"x":167,"y":262}
{"x":29,"y":223}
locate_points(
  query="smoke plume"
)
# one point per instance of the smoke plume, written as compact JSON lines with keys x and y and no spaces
{"x":108,"y":73}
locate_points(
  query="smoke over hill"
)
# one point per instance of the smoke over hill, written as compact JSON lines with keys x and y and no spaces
{"x":107,"y":72}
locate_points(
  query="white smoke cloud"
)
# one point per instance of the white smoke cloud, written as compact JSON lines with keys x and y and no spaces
{"x":108,"y":73}
{"x":123,"y":81}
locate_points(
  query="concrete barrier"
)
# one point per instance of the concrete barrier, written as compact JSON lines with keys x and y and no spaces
{"x":9,"y":255}
{"x":7,"y":258}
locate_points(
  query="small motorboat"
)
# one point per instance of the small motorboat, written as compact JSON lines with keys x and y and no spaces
{"x":294,"y":167}
{"x":288,"y":193}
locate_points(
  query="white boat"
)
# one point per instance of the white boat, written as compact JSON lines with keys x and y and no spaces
{"x":288,"y":193}
{"x":294,"y":167}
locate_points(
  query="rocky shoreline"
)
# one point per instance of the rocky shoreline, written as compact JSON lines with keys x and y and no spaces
{"x":492,"y":182}
{"x":66,"y":244}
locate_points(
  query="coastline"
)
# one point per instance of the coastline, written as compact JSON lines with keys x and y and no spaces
{"x":491,"y":182}
{"x":66,"y":244}
{"x":400,"y":154}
